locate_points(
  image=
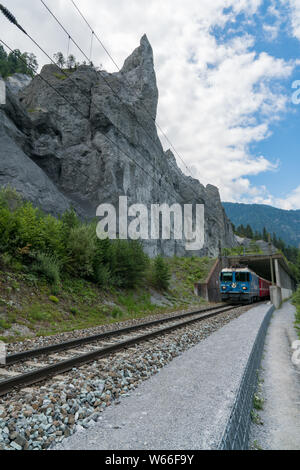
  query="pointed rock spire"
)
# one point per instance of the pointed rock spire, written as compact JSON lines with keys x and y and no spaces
{"x":139,"y":69}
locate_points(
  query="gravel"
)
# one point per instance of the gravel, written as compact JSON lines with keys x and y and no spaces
{"x":39,"y":416}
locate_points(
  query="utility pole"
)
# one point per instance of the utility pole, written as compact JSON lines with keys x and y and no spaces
{"x":271,"y":261}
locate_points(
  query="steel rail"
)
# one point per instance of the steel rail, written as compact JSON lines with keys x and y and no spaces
{"x":43,"y":373}
{"x":30,"y":353}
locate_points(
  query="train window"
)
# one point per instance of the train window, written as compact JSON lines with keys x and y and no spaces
{"x":226,"y":277}
{"x":242,"y":277}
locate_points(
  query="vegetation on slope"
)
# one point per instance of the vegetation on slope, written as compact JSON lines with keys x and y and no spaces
{"x":282,"y":222}
{"x":56,"y":275}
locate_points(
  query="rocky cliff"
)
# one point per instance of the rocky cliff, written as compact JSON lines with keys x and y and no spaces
{"x":57,"y":156}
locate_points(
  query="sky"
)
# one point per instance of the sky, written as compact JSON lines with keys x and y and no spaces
{"x":227,"y":73}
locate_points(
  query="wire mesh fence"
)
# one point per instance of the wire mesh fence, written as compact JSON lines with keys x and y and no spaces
{"x":236,"y":436}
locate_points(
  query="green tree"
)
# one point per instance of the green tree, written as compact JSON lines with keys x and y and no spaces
{"x":16,"y":62}
{"x":71,"y":62}
{"x":249,"y":232}
{"x":59,"y":59}
{"x":162,"y":274}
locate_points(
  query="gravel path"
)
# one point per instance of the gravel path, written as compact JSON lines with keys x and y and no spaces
{"x":188,"y":404}
{"x":279,"y":387}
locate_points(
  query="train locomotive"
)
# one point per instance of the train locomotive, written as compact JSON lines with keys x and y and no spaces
{"x":241,"y":285}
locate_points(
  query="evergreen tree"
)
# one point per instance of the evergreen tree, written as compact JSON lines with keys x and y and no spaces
{"x":249,"y":232}
{"x":162,"y":274}
{"x":16,"y":62}
{"x":71,"y":62}
{"x":59,"y":59}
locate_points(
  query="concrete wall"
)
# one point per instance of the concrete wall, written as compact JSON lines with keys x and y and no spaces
{"x":210,"y":289}
{"x":284,"y":283}
{"x":276,"y":296}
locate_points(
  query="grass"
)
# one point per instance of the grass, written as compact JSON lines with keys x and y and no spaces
{"x":27,"y":299}
{"x":258,"y":402}
{"x":256,"y":419}
{"x":186,"y":272}
{"x":296,"y":302}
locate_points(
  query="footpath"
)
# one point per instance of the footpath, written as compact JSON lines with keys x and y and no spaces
{"x":279,"y":387}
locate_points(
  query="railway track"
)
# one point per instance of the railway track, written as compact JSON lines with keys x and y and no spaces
{"x":35,"y":365}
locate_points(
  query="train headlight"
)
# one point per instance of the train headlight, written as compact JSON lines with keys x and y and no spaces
{"x":224,"y":287}
{"x":244,"y":288}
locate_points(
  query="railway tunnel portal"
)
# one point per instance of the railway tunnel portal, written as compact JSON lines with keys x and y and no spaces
{"x":273,"y":267}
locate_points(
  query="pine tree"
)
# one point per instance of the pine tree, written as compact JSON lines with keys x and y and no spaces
{"x":249,"y":232}
{"x":162,"y":274}
{"x":265,"y":235}
{"x":59,"y":59}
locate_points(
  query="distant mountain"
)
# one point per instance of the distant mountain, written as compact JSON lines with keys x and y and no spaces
{"x":286,"y":224}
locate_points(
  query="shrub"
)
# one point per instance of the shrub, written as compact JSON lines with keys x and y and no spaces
{"x":102,"y":275}
{"x":81,"y":250}
{"x":48,"y":266}
{"x":161,"y":273}
{"x":54,"y":299}
{"x":129,"y":262}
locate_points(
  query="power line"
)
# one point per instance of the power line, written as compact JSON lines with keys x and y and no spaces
{"x":114,"y":91}
{"x":63,"y":71}
{"x":102,"y":76}
{"x":70,"y":78}
{"x":78,"y":110}
{"x":118,"y":68}
{"x":111,"y":88}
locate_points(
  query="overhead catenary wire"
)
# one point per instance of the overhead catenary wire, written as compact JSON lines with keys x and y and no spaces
{"x":111,"y":88}
{"x":118,"y":68}
{"x":80,"y":112}
{"x":117,"y":95}
{"x":100,"y":73}
{"x":159,"y":183}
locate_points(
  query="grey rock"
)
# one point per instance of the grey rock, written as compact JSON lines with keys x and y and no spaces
{"x":56,"y":156}
{"x":18,"y":82}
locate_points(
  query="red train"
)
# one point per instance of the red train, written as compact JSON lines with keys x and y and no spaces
{"x":264,"y":288}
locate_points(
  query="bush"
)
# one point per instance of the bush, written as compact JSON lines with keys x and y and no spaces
{"x":102,"y":275}
{"x":162,"y":274}
{"x":48,"y":266}
{"x":81,"y":250}
{"x":128,"y":262}
{"x":66,"y":244}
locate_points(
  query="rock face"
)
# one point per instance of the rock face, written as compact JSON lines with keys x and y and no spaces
{"x":107,"y":147}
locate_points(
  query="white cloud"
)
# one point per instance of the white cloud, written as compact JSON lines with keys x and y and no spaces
{"x":291,"y":201}
{"x":213,"y":107}
{"x":295,"y":16}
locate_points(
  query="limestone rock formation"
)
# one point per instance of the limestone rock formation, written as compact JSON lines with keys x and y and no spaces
{"x":107,"y":147}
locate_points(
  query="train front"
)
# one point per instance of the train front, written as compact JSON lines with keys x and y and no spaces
{"x":235,"y":285}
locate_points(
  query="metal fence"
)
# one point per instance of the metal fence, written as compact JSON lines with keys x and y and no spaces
{"x":236,"y":436}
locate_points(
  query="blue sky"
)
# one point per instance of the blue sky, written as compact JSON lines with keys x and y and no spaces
{"x":282,"y":145}
{"x":224,"y":71}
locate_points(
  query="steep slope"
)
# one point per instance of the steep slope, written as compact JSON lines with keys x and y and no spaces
{"x":56,"y":155}
{"x":286,"y":224}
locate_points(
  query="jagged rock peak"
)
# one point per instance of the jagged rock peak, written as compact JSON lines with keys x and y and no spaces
{"x":139,"y":71}
{"x":142,"y":56}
